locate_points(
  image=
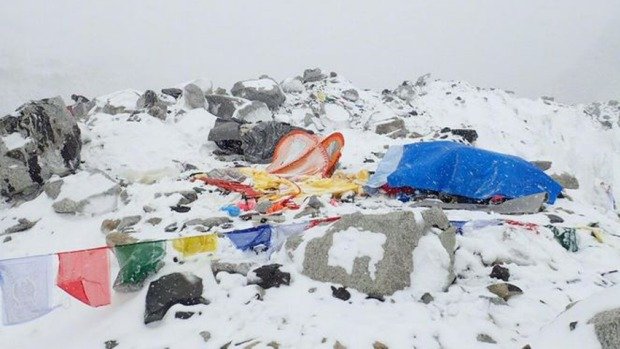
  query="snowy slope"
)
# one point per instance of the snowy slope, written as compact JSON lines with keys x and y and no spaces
{"x":150,"y":157}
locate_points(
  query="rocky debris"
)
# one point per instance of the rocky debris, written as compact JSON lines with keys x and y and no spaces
{"x":116,"y":238}
{"x":263,"y":206}
{"x":573,"y":325}
{"x":264,"y":90}
{"x":427,"y":298}
{"x":543,"y":165}
{"x":269,"y":276}
{"x":485,"y":338}
{"x":500,"y":272}
{"x":274,"y":345}
{"x":126,"y":223}
{"x":339,"y":345}
{"x":607,"y":114}
{"x":607,"y":328}
{"x":351,"y":95}
{"x":39,"y":140}
{"x":206,"y":335}
{"x":341,"y":293}
{"x":23,"y":224}
{"x":504,"y":290}
{"x":154,"y":220}
{"x":194,"y":96}
{"x":224,"y":107}
{"x":554,"y":218}
{"x":187,"y":196}
{"x":207,"y":223}
{"x":393,"y":271}
{"x":405,"y":91}
{"x":183,"y":315}
{"x":312,"y":75}
{"x":52,"y":189}
{"x":395,"y":128}
{"x":153,"y":105}
{"x":171,"y":289}
{"x":293,"y":85}
{"x":172,"y":92}
{"x":86,"y":192}
{"x":81,"y":107}
{"x":180,"y":208}
{"x":254,"y":111}
{"x":379,"y":345}
{"x":109,"y":225}
{"x":111,"y":344}
{"x":227,"y":173}
{"x":171,"y":227}
{"x":231,"y":268}
{"x":467,"y":134}
{"x":566,"y":180}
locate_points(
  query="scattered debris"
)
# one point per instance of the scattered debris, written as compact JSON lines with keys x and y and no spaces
{"x":171,"y":289}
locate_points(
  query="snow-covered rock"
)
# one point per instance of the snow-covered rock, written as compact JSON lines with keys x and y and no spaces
{"x":263,"y":90}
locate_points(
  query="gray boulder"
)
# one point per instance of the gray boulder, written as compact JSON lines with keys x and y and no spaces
{"x":194,"y":96}
{"x":224,"y":107}
{"x":263,"y":90}
{"x":607,"y":328}
{"x":391,"y":273}
{"x":566,"y":180}
{"x":39,"y":140}
{"x":394,"y":128}
{"x":153,"y":105}
{"x":351,"y":95}
{"x":312,"y":75}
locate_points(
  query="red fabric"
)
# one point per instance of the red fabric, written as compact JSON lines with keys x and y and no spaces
{"x":528,"y":226}
{"x":315,"y":222}
{"x":237,"y":187}
{"x":86,"y":275}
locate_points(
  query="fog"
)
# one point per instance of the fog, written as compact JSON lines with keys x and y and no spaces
{"x":567,"y":49}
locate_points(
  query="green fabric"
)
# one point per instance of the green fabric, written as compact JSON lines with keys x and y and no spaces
{"x":567,"y":237}
{"x":137,"y":263}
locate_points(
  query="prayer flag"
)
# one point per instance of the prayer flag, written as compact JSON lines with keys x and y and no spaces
{"x":86,"y":275}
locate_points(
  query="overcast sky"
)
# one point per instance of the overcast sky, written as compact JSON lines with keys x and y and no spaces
{"x":567,"y":49}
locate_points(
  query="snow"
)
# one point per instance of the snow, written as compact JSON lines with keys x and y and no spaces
{"x":353,"y":243}
{"x":14,"y":140}
{"x":260,"y":84}
{"x":147,"y":157}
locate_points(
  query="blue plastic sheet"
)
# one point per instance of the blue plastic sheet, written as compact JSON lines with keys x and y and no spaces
{"x":463,"y":170}
{"x":248,"y":239}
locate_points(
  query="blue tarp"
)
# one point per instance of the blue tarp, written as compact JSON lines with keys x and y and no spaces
{"x":463,"y":170}
{"x":247,"y":239}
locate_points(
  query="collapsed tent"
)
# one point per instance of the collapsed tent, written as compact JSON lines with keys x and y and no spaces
{"x":458,"y":169}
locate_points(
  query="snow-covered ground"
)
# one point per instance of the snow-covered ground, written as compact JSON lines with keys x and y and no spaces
{"x":149,"y":156}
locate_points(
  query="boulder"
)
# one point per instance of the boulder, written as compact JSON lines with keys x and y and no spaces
{"x":171,"y":289}
{"x":505,"y":290}
{"x":500,"y":272}
{"x":39,"y":140}
{"x":607,"y":328}
{"x":258,"y":144}
{"x":263,"y":90}
{"x":254,"y":112}
{"x":351,"y":95}
{"x":223,"y":106}
{"x":172,"y":92}
{"x":566,"y":180}
{"x":394,"y":128}
{"x":312,"y":75}
{"x":543,"y":165}
{"x":293,"y":85}
{"x":385,"y":255}
{"x":269,"y":276}
{"x":153,"y":105}
{"x":194,"y":96}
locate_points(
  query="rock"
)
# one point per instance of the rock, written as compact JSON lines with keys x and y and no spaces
{"x":264,"y":90}
{"x":485,"y":338}
{"x":393,"y":271}
{"x":224,"y":107}
{"x":87,"y":192}
{"x":554,"y":218}
{"x":274,"y":345}
{"x":350,"y":95}
{"x":39,"y":140}
{"x":566,"y":180}
{"x":194,"y":96}
{"x":127,"y":222}
{"x":542,"y":164}
{"x":341,"y":293}
{"x":172,"y":92}
{"x":314,"y":202}
{"x":338,"y":345}
{"x":52,"y":189}
{"x":293,"y":85}
{"x":270,"y":276}
{"x":405,"y":91}
{"x":607,"y":328}
{"x":180,"y":208}
{"x":184,"y":315}
{"x":23,"y":224}
{"x":263,"y":206}
{"x":111,"y":344}
{"x":231,"y":268}
{"x":7,"y":239}
{"x":500,"y":272}
{"x":394,"y":128}
{"x":109,"y":225}
{"x":206,"y":335}
{"x":254,"y":111}
{"x":573,"y":325}
{"x":427,"y":298}
{"x":467,"y":134}
{"x":379,"y":345}
{"x":171,"y":227}
{"x":208,"y":223}
{"x":153,"y":105}
{"x":504,"y":290}
{"x":312,"y":75}
{"x":82,"y":107}
{"x":116,"y":238}
{"x":171,"y":289}
{"x":154,"y":220}
{"x":258,"y":144}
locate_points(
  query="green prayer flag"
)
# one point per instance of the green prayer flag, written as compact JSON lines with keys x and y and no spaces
{"x":137,"y":263}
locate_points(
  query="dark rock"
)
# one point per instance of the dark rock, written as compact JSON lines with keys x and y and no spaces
{"x":7,"y":239}
{"x":180,"y":209}
{"x":572,"y":325}
{"x":351,"y":95}
{"x":270,"y":276}
{"x":485,"y":338}
{"x":206,"y":335}
{"x":171,"y":289}
{"x":505,"y":290}
{"x":427,"y":298}
{"x":312,"y":75}
{"x":394,"y":128}
{"x":554,"y":218}
{"x":263,"y":90}
{"x":341,"y":293}
{"x":258,"y":144}
{"x":23,"y":224}
{"x":467,"y":134}
{"x":171,"y":227}
{"x":542,"y":164}
{"x":39,"y":140}
{"x":224,"y":107}
{"x":172,"y":92}
{"x":500,"y":272}
{"x":183,"y":315}
{"x":111,"y":344}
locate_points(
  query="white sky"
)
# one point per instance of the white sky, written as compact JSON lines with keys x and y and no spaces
{"x":568,"y":49}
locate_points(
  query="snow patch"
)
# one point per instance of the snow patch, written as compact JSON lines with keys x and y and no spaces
{"x":353,"y":243}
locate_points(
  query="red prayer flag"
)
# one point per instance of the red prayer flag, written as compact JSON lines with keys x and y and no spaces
{"x":86,"y":275}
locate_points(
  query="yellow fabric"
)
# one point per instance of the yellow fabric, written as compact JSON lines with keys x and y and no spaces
{"x":189,"y":246}
{"x":273,"y":187}
{"x":596,"y":232}
{"x":320,"y":96}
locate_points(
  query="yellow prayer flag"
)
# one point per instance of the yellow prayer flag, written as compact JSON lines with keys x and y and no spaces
{"x":189,"y":246}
